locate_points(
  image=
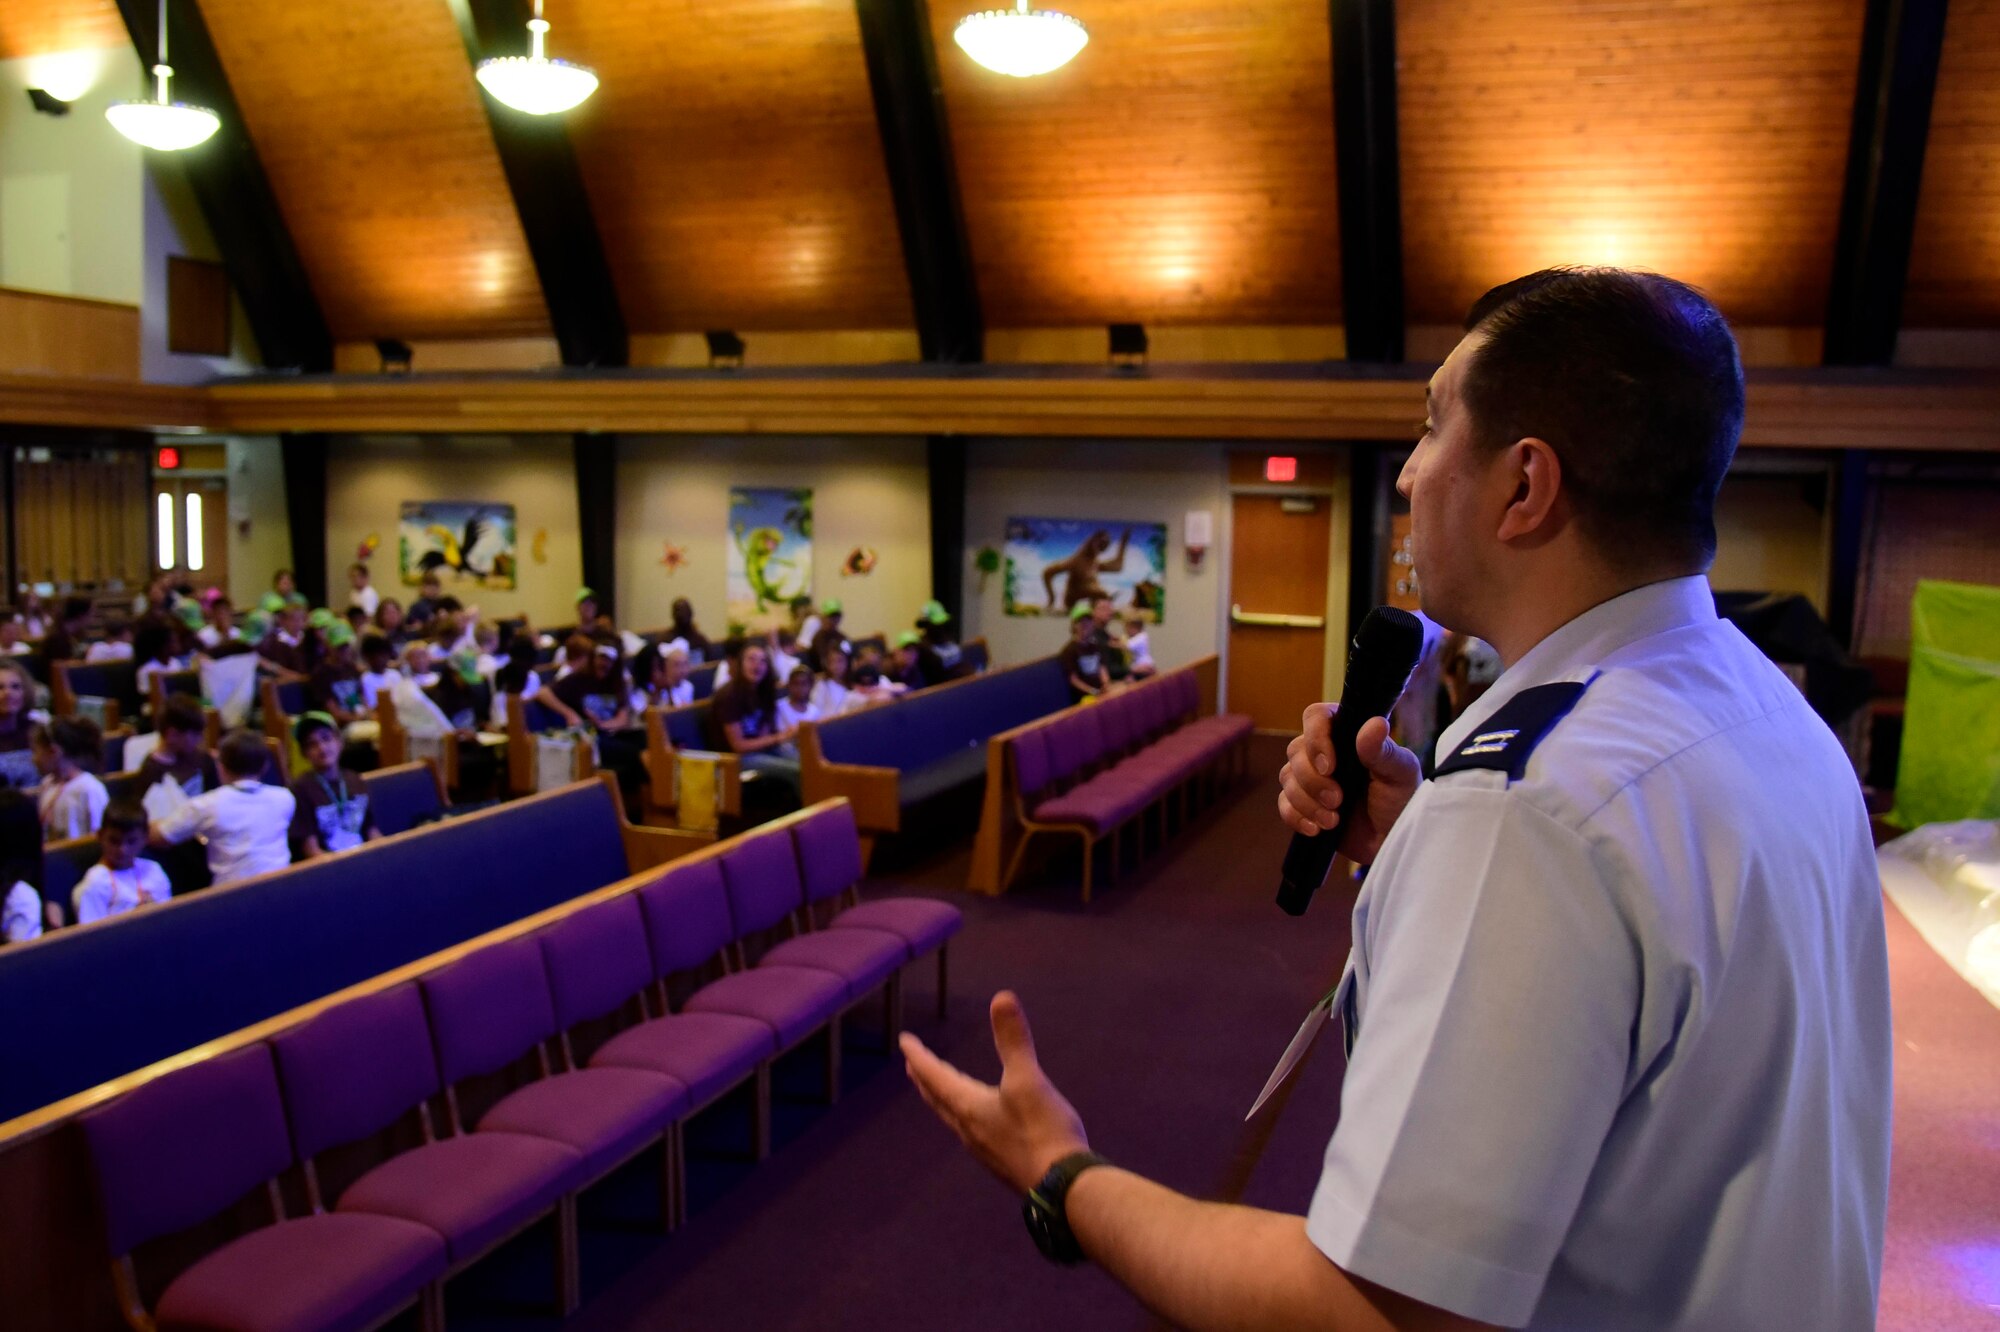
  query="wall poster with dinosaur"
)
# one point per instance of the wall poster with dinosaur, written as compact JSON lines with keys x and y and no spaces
{"x":465,"y":543}
{"x":1053,"y":563}
{"x":770,"y":554}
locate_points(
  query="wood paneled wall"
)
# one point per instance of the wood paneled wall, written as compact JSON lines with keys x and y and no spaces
{"x":83,"y":516}
{"x":1955,"y":261}
{"x":733,"y":164}
{"x":44,"y":334}
{"x":367,"y":119}
{"x":44,"y":27}
{"x":1179,"y":170}
{"x":1702,"y":138}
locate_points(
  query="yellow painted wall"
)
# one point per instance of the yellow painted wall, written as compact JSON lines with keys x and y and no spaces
{"x":866,"y":492}
{"x":369,"y":477}
{"x":1770,"y":537}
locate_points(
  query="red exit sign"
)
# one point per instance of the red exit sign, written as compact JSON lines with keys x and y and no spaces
{"x":169,"y":459}
{"x":1278,"y":468}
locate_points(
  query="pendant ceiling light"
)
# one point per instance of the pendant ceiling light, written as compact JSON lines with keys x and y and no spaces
{"x":534,"y":83}
{"x":163,"y":123}
{"x":1021,"y":41}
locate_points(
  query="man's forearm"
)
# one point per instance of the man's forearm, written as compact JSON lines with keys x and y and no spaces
{"x":1212,"y":1265}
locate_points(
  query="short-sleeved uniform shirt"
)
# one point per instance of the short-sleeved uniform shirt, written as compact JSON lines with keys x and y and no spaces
{"x":1621,"y":1046}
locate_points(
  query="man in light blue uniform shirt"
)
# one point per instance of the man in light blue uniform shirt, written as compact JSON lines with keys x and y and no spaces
{"x":1617,"y":1006}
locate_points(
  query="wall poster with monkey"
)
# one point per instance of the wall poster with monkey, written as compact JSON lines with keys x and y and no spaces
{"x":1054,"y":563}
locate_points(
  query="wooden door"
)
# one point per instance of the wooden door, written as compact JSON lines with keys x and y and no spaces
{"x":191,"y":529}
{"x":1277,"y":610}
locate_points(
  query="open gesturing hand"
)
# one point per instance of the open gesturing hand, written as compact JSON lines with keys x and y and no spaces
{"x":1017,"y":1129}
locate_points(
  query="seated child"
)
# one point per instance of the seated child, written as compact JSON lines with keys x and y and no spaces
{"x":182,"y":757}
{"x":335,"y":686}
{"x":417,"y":663}
{"x":1082,"y":659}
{"x":116,"y":645}
{"x":486,"y":642}
{"x":121,"y":880}
{"x":516,"y":677}
{"x":379,"y":673}
{"x":796,"y":704}
{"x":70,"y":798}
{"x":1138,"y":650}
{"x":332,"y":813}
{"x":832,"y":692}
{"x":245,"y":821}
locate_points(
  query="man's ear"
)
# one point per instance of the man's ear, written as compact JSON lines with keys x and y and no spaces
{"x":1532,"y":513}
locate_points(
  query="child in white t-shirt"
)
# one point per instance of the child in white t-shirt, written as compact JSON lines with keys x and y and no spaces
{"x":378,"y":669}
{"x":795,"y":705}
{"x":246,"y":822}
{"x":1138,"y":651}
{"x":71,"y":799}
{"x":121,"y":881}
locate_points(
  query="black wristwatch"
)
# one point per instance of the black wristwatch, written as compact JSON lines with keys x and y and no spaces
{"x":1048,"y":1220}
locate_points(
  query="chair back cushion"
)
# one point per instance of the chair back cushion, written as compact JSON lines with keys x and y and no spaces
{"x":596,"y":960}
{"x":356,"y":1068}
{"x":703,"y":679}
{"x":762,"y":876}
{"x":1031,"y":760}
{"x":107,"y":679}
{"x":687,"y":727}
{"x":937,"y":724}
{"x":489,"y":1008}
{"x":402,"y":797}
{"x":829,"y":851}
{"x":1118,"y":722}
{"x":183,"y":1147}
{"x":687,"y":915}
{"x":293,"y":698}
{"x":1067,"y":747}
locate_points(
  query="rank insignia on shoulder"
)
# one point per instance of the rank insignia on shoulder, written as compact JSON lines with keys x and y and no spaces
{"x":1511,"y":734}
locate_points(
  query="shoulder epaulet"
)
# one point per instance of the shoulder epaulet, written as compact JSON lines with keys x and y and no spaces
{"x":1507,"y":738}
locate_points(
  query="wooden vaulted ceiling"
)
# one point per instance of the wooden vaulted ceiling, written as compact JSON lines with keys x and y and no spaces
{"x":733,"y":164}
{"x":1702,"y":138}
{"x":367,"y":119}
{"x":1179,"y":171}
{"x":1955,"y":260}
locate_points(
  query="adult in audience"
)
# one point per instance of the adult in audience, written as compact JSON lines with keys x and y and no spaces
{"x":1082,"y":659}
{"x":17,"y":726}
{"x":245,"y":821}
{"x":122,"y":880}
{"x":361,"y":593}
{"x":1617,"y":1004}
{"x":746,"y":710}
{"x":182,"y":757}
{"x":683,"y":628}
{"x":332,"y":808}
{"x":72,"y":798}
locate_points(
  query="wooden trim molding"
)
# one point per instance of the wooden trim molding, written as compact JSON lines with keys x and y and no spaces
{"x":1873,"y":409}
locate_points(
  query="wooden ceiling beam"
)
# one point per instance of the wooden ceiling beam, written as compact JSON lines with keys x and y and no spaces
{"x":549,"y":197}
{"x":1901,"y":43}
{"x":235,"y":195}
{"x":923,"y":179}
{"x":1369,"y":180}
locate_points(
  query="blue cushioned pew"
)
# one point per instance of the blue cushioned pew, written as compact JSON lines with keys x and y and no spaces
{"x":112,"y":687}
{"x":888,"y":758}
{"x":561,"y":1044}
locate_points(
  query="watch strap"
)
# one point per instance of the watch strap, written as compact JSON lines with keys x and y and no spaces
{"x":1047,"y":1201}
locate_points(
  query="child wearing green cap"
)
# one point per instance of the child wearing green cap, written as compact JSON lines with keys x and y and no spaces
{"x":335,"y":684}
{"x":332,"y":812}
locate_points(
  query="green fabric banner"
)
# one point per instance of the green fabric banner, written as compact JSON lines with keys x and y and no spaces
{"x":1950,"y":766}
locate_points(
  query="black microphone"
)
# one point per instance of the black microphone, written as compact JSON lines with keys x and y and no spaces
{"x":1385,"y":651}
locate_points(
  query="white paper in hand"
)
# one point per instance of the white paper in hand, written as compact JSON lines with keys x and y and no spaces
{"x":421,"y":717}
{"x":231,"y":683}
{"x":164,"y":799}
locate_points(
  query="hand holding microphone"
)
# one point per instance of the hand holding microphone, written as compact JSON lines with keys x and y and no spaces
{"x":1345,"y":780}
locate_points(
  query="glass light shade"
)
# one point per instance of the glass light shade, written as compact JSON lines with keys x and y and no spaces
{"x":167,"y":126}
{"x":536,"y":84}
{"x":1021,"y":42}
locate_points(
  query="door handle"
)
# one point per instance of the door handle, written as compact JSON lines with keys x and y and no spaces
{"x":1274,"y":620}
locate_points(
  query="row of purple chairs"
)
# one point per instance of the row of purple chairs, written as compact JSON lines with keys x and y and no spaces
{"x":557,"y":1056}
{"x":1093,"y":769}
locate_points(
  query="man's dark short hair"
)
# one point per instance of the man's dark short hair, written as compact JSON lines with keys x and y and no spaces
{"x":1634,"y":380}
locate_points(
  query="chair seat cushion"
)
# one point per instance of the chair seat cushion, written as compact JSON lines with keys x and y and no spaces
{"x":708,"y":1053}
{"x":921,"y":923}
{"x":607,"y":1114}
{"x":955,"y":769}
{"x":315,"y":1274}
{"x":791,"y":1001}
{"x":1100,"y":804}
{"x":863,"y":958}
{"x":475,"y":1189}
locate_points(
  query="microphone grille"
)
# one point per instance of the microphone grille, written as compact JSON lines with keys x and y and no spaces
{"x":1390,"y":635}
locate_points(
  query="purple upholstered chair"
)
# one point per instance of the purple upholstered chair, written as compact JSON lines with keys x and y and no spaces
{"x":185,"y":1146}
{"x":1119,"y":722}
{"x":829,"y":847}
{"x":688,"y":925}
{"x":1069,"y":748}
{"x":1030,"y":750}
{"x":598,"y":965}
{"x":357,"y":1069}
{"x":490,"y":1009}
{"x":762,"y":876}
